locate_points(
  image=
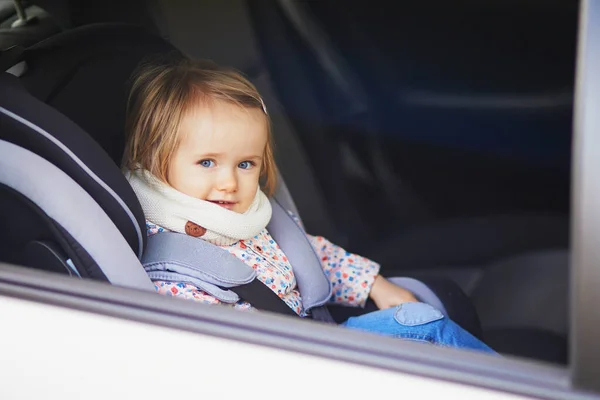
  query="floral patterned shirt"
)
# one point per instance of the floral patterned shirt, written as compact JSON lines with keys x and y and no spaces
{"x":351,"y":276}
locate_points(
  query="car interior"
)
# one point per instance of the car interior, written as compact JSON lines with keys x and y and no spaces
{"x":433,"y":138}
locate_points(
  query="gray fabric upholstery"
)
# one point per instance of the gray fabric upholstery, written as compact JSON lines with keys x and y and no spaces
{"x":284,"y":197}
{"x":312,"y":283}
{"x":65,"y":201}
{"x":91,"y":174}
{"x":171,"y":251}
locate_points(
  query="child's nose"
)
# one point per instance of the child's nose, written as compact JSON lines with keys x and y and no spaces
{"x":227,"y":182}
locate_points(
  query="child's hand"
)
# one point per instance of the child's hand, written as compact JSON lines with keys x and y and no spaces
{"x":385,"y":294}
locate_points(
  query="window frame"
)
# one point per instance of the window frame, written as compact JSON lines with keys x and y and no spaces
{"x":505,"y":374}
{"x":585,"y":259}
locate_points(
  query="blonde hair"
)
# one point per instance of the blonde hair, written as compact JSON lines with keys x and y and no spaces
{"x":163,"y":91}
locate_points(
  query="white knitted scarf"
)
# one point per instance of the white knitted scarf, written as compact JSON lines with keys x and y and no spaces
{"x":173,"y":210}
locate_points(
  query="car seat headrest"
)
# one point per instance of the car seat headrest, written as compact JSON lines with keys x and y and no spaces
{"x":35,"y":126}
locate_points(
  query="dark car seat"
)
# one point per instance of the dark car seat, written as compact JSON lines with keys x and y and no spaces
{"x":113,"y":50}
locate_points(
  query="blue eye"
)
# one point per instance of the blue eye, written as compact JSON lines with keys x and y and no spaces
{"x":206,"y":163}
{"x":246,"y":165}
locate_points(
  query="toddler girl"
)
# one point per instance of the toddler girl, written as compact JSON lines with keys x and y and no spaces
{"x":199,"y":156}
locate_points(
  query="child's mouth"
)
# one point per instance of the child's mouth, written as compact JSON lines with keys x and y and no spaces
{"x":225,"y":204}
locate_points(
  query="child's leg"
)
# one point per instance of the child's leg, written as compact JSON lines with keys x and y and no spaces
{"x":418,"y":322}
{"x":446,"y":296}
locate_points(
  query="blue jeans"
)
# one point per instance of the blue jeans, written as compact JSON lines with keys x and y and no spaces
{"x":417,"y":322}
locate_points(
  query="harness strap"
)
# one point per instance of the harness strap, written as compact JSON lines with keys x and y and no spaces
{"x":176,"y":257}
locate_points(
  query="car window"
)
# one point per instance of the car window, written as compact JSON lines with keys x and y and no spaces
{"x":429,"y":138}
{"x":452,"y":151}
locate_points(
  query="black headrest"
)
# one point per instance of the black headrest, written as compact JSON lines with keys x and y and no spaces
{"x":35,"y":126}
{"x":84,"y":74}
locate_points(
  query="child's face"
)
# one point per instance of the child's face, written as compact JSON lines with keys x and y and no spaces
{"x":220,"y":155}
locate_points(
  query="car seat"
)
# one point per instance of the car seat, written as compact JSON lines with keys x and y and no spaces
{"x":65,"y":89}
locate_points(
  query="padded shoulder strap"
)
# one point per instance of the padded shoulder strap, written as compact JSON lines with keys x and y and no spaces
{"x":180,"y":258}
{"x":312,"y":282}
{"x":175,"y":252}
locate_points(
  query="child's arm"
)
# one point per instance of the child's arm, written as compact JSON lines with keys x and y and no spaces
{"x":351,"y":276}
{"x":385,"y":294}
{"x":355,"y":278}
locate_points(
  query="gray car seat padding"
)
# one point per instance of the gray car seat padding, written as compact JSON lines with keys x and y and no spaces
{"x":294,"y":243}
{"x":66,"y":202}
{"x":284,"y":197}
{"x":84,"y":167}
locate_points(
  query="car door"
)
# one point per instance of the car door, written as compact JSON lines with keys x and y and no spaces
{"x":67,"y":338}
